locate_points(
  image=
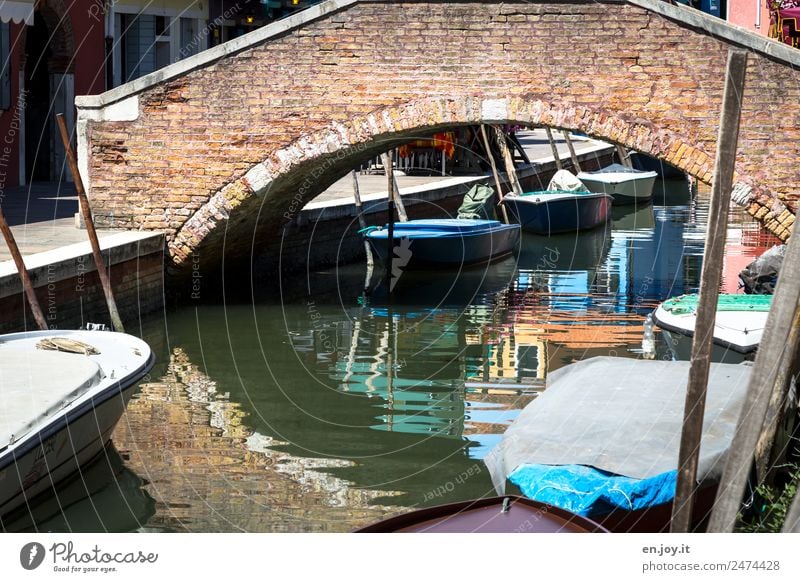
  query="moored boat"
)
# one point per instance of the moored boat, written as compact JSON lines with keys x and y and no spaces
{"x":553,"y":212}
{"x":508,"y":514}
{"x":626,"y":185}
{"x":448,"y":242}
{"x":738,"y":326}
{"x":64,"y":392}
{"x":601,"y":443}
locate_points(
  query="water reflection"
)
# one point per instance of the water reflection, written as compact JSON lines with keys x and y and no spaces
{"x":324,"y":412}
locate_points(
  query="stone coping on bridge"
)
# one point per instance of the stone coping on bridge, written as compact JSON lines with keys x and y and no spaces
{"x":74,"y":260}
{"x":89,"y":106}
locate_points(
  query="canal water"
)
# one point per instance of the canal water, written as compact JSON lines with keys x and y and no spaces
{"x":322,"y":408}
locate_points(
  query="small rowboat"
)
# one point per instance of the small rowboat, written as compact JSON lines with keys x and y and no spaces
{"x":493,"y":515}
{"x":738,"y":326}
{"x":63,"y":394}
{"x":626,"y":185}
{"x":551,"y":211}
{"x":448,"y":242}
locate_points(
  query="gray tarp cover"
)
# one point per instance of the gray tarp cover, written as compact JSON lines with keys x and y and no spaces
{"x":623,"y":416}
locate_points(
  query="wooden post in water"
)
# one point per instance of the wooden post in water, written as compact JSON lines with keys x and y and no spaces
{"x":27,"y":285}
{"x":362,"y":223}
{"x":511,"y":171}
{"x":774,"y":348}
{"x":710,"y":278}
{"x":116,"y":321}
{"x":495,"y":173}
{"x":556,"y":155}
{"x":766,"y":451}
{"x":394,"y":191}
{"x":575,"y":164}
{"x":387,"y":164}
{"x":624,"y":157}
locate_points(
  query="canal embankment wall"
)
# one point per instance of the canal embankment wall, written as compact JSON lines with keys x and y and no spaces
{"x":68,"y":288}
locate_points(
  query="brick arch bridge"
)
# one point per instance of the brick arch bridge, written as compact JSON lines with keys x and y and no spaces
{"x":220,"y":149}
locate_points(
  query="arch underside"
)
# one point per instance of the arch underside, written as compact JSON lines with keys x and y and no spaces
{"x":272,"y":192}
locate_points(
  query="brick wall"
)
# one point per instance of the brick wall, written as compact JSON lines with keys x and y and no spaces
{"x":222,"y":156}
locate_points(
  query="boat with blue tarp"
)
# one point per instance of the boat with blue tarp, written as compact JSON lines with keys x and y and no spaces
{"x":601,"y":443}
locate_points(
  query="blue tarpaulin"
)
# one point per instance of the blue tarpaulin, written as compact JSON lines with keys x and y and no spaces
{"x":591,"y":492}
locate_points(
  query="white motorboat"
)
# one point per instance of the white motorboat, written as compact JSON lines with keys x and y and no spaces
{"x":738,"y":326}
{"x":626,"y":185}
{"x":62,"y":392}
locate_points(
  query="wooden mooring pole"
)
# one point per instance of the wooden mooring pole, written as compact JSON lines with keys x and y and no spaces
{"x":772,"y":351}
{"x":362,"y":223}
{"x":710,"y":278}
{"x":495,"y":173}
{"x":554,"y":148}
{"x":575,"y":164}
{"x":27,"y":285}
{"x":394,"y":191}
{"x":511,"y":171}
{"x":86,"y":212}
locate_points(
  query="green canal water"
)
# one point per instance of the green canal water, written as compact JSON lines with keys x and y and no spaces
{"x":320,"y":408}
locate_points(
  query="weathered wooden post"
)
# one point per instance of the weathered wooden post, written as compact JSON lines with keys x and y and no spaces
{"x":362,"y":223}
{"x":27,"y":285}
{"x":710,"y":278}
{"x":573,"y":156}
{"x":99,"y":264}
{"x":624,"y":157}
{"x":556,"y":155}
{"x":511,"y":171}
{"x":774,"y":348}
{"x":394,"y":191}
{"x":495,"y":173}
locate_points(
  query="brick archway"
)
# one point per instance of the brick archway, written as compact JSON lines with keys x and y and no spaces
{"x":275,"y":189}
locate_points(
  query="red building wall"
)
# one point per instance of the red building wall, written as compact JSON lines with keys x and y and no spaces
{"x":11,"y":118}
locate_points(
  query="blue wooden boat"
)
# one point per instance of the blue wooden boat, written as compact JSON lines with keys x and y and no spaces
{"x":444,"y":242}
{"x":554,"y":211}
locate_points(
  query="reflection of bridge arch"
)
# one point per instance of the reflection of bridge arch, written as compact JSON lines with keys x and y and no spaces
{"x":232,"y":141}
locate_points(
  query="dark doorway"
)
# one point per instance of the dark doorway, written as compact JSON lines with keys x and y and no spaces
{"x":37,"y":110}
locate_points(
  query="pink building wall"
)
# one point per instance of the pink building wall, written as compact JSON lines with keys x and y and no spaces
{"x":744,"y":13}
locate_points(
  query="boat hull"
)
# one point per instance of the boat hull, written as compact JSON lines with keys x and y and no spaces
{"x":628,"y":190}
{"x":419,"y":249}
{"x":487,"y":516}
{"x":569,"y":214}
{"x":67,"y":440}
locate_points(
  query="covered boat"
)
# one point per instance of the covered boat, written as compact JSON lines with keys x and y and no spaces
{"x":738,"y":326}
{"x":602,"y":443}
{"x":566,"y":206}
{"x":626,"y":185}
{"x":64,"y":392}
{"x":450,"y":242}
{"x":492,"y":515}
